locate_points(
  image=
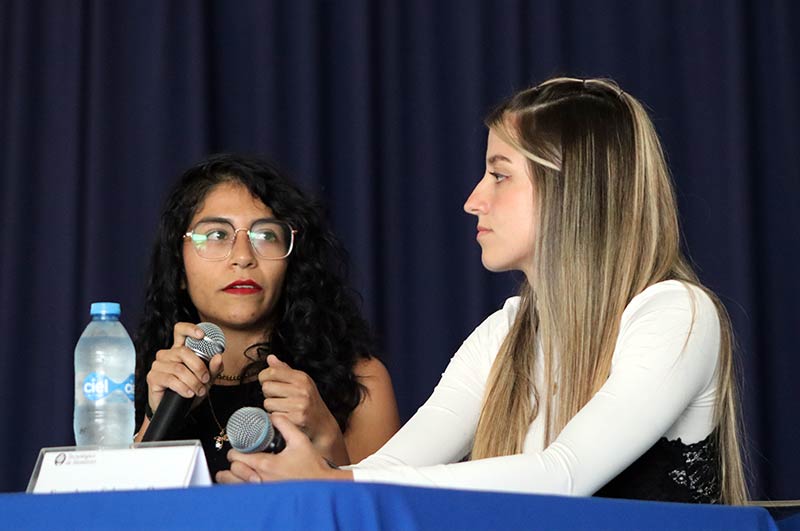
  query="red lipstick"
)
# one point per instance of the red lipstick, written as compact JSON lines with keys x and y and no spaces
{"x":243,"y":287}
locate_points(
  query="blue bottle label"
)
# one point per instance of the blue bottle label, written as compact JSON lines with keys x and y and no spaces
{"x":98,"y":386}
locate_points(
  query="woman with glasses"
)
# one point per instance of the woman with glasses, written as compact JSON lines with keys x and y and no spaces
{"x":612,"y":372}
{"x":240,"y":247}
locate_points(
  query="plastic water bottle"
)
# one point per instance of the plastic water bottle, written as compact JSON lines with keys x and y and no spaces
{"x":105,"y":360}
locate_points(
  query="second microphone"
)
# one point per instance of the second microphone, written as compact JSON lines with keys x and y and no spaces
{"x":250,"y":430}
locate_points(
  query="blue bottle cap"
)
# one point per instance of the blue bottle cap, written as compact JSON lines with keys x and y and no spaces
{"x":105,"y":308}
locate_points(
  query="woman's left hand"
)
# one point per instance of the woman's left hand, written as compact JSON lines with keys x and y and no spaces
{"x":294,"y":394}
{"x":299,"y":460}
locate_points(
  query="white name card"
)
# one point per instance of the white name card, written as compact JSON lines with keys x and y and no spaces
{"x":155,"y":465}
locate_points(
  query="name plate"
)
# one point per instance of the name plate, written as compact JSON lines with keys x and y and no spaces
{"x":143,"y":466}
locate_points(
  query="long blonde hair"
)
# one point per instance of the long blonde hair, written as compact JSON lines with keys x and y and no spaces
{"x":607,"y":228}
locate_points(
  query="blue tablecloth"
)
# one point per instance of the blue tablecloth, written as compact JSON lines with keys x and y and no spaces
{"x":303,"y":505}
{"x":790,"y":523}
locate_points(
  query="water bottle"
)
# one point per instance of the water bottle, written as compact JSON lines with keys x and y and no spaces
{"x":104,"y":364}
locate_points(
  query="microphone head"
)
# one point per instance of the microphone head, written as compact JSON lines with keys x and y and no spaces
{"x":250,"y":430}
{"x":212,"y":343}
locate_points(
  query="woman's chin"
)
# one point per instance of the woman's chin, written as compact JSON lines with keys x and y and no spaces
{"x":495,"y":266}
{"x":241,"y":323}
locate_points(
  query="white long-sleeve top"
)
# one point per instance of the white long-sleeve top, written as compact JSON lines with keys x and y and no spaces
{"x":662,"y":384}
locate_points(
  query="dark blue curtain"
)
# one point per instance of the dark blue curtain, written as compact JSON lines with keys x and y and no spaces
{"x":376,"y":107}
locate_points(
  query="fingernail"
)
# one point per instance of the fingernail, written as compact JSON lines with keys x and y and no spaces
{"x":201,"y":392}
{"x":205,"y":378}
{"x":254,"y":479}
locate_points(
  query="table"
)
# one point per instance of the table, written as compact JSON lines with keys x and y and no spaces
{"x":323,"y":505}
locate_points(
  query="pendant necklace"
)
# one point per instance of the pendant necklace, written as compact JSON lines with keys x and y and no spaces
{"x":219,"y":440}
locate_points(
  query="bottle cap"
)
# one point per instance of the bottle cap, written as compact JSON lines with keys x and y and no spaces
{"x":105,"y":308}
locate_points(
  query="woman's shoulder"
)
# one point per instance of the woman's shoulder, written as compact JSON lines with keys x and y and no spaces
{"x":502,"y":319}
{"x":473,"y":359}
{"x":370,"y":367}
{"x":671,"y":294}
{"x":493,"y":329}
{"x":672,"y":300}
{"x":671,"y":326}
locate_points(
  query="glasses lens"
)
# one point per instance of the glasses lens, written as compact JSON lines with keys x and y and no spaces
{"x":271,"y":239}
{"x":212,"y":239}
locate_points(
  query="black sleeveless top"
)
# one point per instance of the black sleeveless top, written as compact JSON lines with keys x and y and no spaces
{"x":671,"y":471}
{"x":200,"y":423}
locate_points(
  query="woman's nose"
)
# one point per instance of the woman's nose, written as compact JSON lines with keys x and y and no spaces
{"x":242,"y":253}
{"x":476,"y":203}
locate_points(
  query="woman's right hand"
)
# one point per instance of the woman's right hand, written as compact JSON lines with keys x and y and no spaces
{"x":181,"y":369}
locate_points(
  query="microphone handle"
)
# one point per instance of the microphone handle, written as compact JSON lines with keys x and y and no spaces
{"x":168,"y":415}
{"x":274,"y":444}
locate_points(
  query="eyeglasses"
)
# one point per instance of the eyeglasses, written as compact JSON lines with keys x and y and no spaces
{"x":213,"y":240}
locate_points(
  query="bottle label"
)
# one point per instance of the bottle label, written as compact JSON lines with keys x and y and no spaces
{"x":98,"y":386}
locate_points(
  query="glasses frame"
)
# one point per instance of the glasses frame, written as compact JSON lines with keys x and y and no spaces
{"x":292,"y":231}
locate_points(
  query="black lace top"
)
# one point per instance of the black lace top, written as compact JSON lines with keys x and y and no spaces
{"x":671,"y":471}
{"x":200,"y":423}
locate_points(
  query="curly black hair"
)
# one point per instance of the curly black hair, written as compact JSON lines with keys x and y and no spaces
{"x":318,"y":328}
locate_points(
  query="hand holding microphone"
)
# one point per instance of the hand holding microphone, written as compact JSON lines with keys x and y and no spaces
{"x":254,"y":440}
{"x":181,"y":373}
{"x":250,"y":431}
{"x":294,"y":394}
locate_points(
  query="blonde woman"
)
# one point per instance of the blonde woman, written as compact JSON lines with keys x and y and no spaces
{"x":611,"y":373}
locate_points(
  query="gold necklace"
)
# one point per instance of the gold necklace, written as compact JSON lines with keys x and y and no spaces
{"x":222,"y":437}
{"x":219,"y":440}
{"x":251,"y":370}
{"x":238,"y":377}
{"x":229,"y":378}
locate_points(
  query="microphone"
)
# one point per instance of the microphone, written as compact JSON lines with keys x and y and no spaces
{"x":173,"y":407}
{"x":250,"y":431}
